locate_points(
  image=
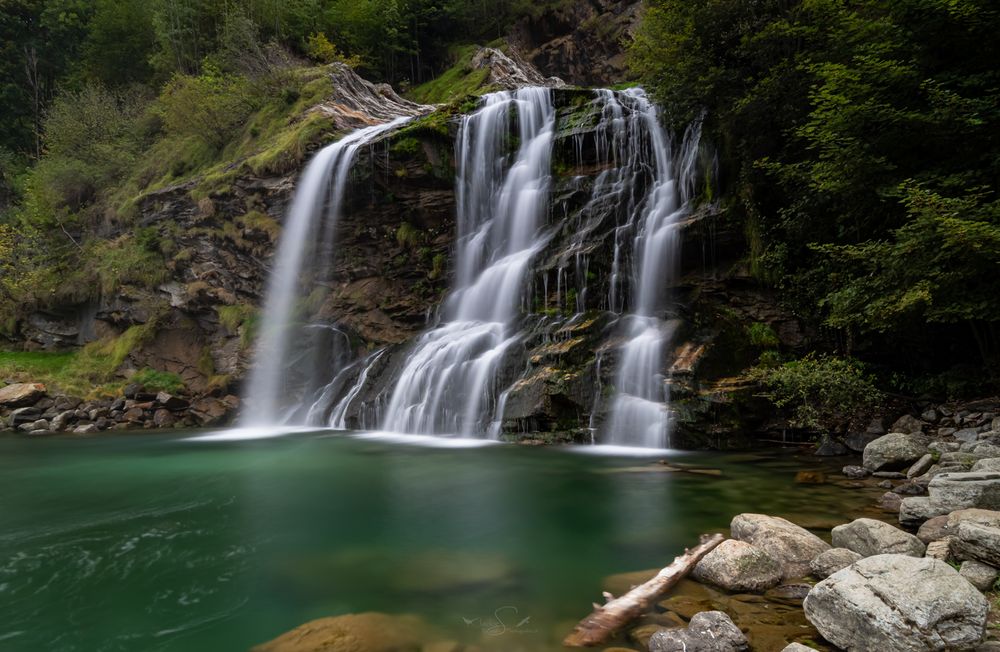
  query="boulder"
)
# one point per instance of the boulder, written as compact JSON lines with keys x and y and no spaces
{"x":987,"y":464}
{"x":933,"y":529}
{"x":738,"y":566}
{"x":21,"y":394}
{"x":930,"y":415}
{"x":708,"y":631}
{"x":907,"y":424}
{"x":940,"y":549}
{"x":894,"y":451}
{"x":170,"y":401}
{"x":797,"y":647}
{"x":977,"y":541}
{"x":163,"y":418}
{"x":987,"y":517}
{"x":791,"y":546}
{"x":88,"y":429}
{"x":890,"y":501}
{"x":868,"y":537}
{"x":827,"y":563}
{"x":22,"y":415}
{"x":920,"y":466}
{"x":854,"y":472}
{"x":966,"y":435}
{"x":952,"y":491}
{"x":32,"y":426}
{"x":133,"y":415}
{"x":897,"y":603}
{"x":63,"y":419}
{"x":982,"y":576}
{"x":914,"y":510}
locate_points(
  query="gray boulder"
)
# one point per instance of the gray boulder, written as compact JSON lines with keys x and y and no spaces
{"x":894,"y":451}
{"x":966,"y":435}
{"x":914,"y":510}
{"x":868,"y":537}
{"x":738,"y":566}
{"x":827,"y":563}
{"x":921,"y":466}
{"x":907,"y":424}
{"x":791,"y":546}
{"x":981,"y":575}
{"x":896,"y":603}
{"x":796,"y":647}
{"x":854,"y":472}
{"x":708,"y":631}
{"x":21,"y":394}
{"x":933,"y":529}
{"x":987,"y":464}
{"x":977,"y":541}
{"x":951,"y":491}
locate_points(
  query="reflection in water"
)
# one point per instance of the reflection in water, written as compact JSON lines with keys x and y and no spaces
{"x":158,"y":543}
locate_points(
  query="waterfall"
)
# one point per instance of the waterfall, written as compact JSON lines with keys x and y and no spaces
{"x":448,"y":381}
{"x":639,"y":413}
{"x":304,"y":254}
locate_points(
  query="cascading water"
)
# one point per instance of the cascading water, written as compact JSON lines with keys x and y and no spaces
{"x":447,"y":382}
{"x":306,"y":248}
{"x":640,"y":413}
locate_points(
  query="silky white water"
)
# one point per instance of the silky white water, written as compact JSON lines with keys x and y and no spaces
{"x":640,"y":414}
{"x":307,"y":238}
{"x":447,"y":385}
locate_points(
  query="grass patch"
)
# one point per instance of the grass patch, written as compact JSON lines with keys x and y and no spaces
{"x":158,"y":381}
{"x":88,"y":372}
{"x":456,"y":82}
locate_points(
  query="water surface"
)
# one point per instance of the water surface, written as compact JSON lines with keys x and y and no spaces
{"x":157,"y":542}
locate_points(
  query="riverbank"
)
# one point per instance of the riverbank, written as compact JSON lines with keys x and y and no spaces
{"x":29,"y":408}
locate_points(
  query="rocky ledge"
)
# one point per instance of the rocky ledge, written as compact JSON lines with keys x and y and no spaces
{"x":30,"y":409}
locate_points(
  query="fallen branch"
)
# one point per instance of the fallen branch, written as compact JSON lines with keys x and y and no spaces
{"x":605,"y":620}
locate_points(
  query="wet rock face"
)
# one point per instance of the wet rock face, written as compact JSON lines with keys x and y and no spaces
{"x":897,"y":603}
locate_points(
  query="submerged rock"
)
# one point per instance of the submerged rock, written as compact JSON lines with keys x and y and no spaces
{"x":708,"y":631}
{"x":738,"y":566}
{"x":897,"y":603}
{"x":868,"y":537}
{"x":365,"y":632}
{"x":791,"y":546}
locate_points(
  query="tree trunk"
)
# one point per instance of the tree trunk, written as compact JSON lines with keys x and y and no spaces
{"x":604,"y":621}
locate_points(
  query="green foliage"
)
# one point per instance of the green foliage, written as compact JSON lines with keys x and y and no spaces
{"x":158,"y":381}
{"x":820,"y":392}
{"x":234,"y":317}
{"x":762,"y":335}
{"x":210,"y":106}
{"x":408,"y":236}
{"x":91,"y":370}
{"x":457,"y":82}
{"x":860,"y":142}
{"x":319,"y":48}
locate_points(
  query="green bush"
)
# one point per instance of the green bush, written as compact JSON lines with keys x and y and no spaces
{"x":211,"y":106}
{"x":762,"y":335}
{"x":822,"y":393}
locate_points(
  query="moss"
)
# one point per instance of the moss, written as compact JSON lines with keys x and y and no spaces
{"x":258,"y":221}
{"x":437,"y":266}
{"x":128,"y":259}
{"x":233,"y":317}
{"x":408,"y":236}
{"x":158,"y":381}
{"x":408,"y":146}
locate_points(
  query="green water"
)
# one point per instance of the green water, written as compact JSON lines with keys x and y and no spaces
{"x":152,"y":542}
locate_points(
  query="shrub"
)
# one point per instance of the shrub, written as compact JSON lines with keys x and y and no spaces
{"x":821,"y":392}
{"x":211,"y":106}
{"x":762,"y":335}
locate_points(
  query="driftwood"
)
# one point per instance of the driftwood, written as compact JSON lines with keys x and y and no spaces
{"x":605,"y":620}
